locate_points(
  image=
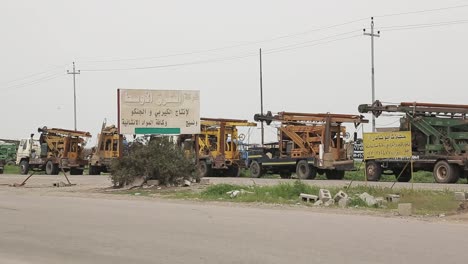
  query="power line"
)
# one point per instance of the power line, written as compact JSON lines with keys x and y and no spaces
{"x":35,"y":74}
{"x":231,"y":46}
{"x":37,"y":81}
{"x":276,"y":38}
{"x":250,"y":54}
{"x":423,"y":11}
{"x":425,"y":26}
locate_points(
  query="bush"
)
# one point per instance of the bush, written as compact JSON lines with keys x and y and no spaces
{"x":158,"y":158}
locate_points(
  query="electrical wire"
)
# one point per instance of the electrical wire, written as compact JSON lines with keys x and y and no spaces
{"x":250,"y":54}
{"x":423,"y":11}
{"x":37,"y":81}
{"x":231,"y":46}
{"x":35,"y":74}
{"x":426,"y":26}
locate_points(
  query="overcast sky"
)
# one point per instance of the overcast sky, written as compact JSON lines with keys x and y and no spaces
{"x":216,"y":43}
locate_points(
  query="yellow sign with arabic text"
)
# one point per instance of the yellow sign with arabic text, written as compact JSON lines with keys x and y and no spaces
{"x":387,"y":145}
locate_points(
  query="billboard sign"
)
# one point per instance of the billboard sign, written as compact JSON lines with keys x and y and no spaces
{"x":158,"y":111}
{"x":387,"y":145}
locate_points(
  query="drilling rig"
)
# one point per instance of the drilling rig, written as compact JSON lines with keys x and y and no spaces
{"x":108,"y":148}
{"x":217,"y":147}
{"x":439,"y":140}
{"x":57,"y":149}
{"x":307,"y":144}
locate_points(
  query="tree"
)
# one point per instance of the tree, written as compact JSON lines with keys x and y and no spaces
{"x":158,"y":158}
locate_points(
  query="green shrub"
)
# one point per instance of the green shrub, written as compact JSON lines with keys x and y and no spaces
{"x":158,"y":158}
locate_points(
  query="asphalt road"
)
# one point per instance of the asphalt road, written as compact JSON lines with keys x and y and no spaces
{"x":43,"y":229}
{"x":103,"y":181}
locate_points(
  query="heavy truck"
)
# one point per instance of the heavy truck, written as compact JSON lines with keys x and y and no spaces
{"x":108,"y":148}
{"x":218,"y":146}
{"x":308,"y":144}
{"x":56,"y":149}
{"x":7,"y":154}
{"x":439,"y":141}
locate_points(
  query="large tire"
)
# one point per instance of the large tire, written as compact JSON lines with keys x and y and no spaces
{"x":405,"y":176}
{"x":76,"y":171}
{"x":1,"y":170}
{"x":285,"y":174}
{"x":445,"y":173}
{"x":94,"y":170}
{"x":334,"y":174}
{"x":373,"y":170}
{"x":204,"y":169}
{"x":305,"y":171}
{"x":233,"y":171}
{"x":51,"y":168}
{"x":24,"y":167}
{"x":256,"y":169}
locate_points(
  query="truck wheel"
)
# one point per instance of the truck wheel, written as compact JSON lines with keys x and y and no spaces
{"x":285,"y":174}
{"x":373,"y":170}
{"x":76,"y":171}
{"x":334,"y":174}
{"x":204,"y":169}
{"x":445,"y":173}
{"x":255,"y":169}
{"x":233,"y":171}
{"x":49,"y":168}
{"x":405,"y":176}
{"x":305,"y":171}
{"x":24,"y":167}
{"x":93,"y":170}
{"x":1,"y":170}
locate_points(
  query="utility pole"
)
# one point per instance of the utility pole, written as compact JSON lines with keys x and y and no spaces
{"x":74,"y":72}
{"x":261,"y":98}
{"x":372,"y":35}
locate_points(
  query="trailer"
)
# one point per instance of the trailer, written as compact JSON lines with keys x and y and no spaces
{"x":308,"y":144}
{"x":439,"y":141}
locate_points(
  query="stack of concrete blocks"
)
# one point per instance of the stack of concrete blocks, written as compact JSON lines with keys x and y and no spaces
{"x":308,"y":197}
{"x":325,"y":197}
{"x":342,"y":199}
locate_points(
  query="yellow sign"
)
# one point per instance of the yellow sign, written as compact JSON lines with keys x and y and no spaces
{"x":387,"y":145}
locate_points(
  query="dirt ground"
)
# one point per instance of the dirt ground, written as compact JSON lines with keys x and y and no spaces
{"x":98,"y":187}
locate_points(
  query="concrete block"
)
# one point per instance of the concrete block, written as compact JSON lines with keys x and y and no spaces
{"x":187,"y":183}
{"x":235,"y":193}
{"x":344,"y":202}
{"x":460,"y":196}
{"x":405,"y":209}
{"x":324,"y":195}
{"x":329,"y":202}
{"x":204,"y":181}
{"x":392,"y":198}
{"x":137,"y":182}
{"x":368,"y":199}
{"x":380,"y":201}
{"x":318,"y":203}
{"x":308,"y":197}
{"x":242,"y":191}
{"x":152,"y":182}
{"x":340,"y":195}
